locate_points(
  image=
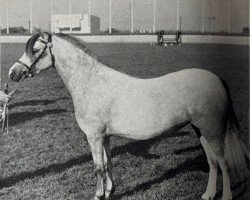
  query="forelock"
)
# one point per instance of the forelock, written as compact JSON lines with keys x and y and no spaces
{"x":30,"y":44}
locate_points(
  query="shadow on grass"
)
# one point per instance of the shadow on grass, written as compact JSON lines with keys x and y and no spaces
{"x":188,"y":149}
{"x":197,"y":164}
{"x":136,"y":148}
{"x":17,"y":118}
{"x":43,"y":102}
{"x":239,"y":191}
{"x":140,"y":148}
{"x":191,"y":165}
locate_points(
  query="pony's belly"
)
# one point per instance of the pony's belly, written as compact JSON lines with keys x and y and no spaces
{"x":146,"y":113}
{"x":144,"y":129}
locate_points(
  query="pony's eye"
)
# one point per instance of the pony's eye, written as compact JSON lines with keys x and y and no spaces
{"x":35,"y":51}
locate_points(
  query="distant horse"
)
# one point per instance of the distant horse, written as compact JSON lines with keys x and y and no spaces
{"x":108,"y":102}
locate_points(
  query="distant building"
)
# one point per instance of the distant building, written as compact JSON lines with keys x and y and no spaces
{"x":75,"y":23}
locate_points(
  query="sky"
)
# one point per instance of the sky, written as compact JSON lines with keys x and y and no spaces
{"x":190,"y":11}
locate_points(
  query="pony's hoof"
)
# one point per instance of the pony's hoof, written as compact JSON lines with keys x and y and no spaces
{"x":227,"y":197}
{"x":98,"y":198}
{"x":207,"y":196}
{"x":107,"y":196}
{"x":109,"y":193}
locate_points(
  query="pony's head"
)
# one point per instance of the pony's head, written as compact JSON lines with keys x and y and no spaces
{"x":36,"y":58}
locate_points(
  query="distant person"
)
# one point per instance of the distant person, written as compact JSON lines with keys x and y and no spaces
{"x":160,"y":38}
{"x":178,"y":37}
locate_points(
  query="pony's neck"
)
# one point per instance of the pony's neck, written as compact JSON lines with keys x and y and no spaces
{"x":74,"y":65}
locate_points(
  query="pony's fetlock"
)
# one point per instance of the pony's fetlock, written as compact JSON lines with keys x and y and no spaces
{"x":227,"y":196}
{"x":109,"y":193}
{"x":98,"y":198}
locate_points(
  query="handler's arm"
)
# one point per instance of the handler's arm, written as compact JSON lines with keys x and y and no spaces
{"x":4,"y":97}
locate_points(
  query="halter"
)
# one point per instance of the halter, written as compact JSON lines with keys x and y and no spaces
{"x":5,"y":112}
{"x":47,"y":44}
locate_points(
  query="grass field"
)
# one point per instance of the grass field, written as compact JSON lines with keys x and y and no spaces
{"x":45,"y":155}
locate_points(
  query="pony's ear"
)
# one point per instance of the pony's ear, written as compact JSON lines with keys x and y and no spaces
{"x":38,"y":31}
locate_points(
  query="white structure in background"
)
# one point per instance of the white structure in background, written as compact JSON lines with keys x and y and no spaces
{"x":75,"y":23}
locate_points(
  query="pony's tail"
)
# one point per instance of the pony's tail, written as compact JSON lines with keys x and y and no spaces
{"x":235,"y":151}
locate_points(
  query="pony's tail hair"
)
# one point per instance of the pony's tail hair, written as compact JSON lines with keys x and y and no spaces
{"x":235,"y":151}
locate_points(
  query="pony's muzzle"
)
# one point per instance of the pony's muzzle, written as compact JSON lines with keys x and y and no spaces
{"x":17,"y":71}
{"x":16,"y":75}
{"x":13,"y":75}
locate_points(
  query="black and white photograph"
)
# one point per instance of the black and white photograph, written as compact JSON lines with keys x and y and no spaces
{"x":124,"y":100}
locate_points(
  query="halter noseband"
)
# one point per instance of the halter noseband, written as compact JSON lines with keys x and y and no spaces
{"x":40,"y":55}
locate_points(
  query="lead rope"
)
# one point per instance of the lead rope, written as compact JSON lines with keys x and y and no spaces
{"x":5,"y":113}
{"x":7,"y":123}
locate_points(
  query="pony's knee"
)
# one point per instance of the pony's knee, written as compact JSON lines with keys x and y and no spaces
{"x":99,"y":171}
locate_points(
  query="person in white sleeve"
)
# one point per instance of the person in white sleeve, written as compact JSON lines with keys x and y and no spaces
{"x":4,"y":97}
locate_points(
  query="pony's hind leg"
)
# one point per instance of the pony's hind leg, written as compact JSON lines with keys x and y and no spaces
{"x":227,"y":194}
{"x":218,"y":148}
{"x":212,"y":141}
{"x":216,"y":145}
{"x":213,"y":168}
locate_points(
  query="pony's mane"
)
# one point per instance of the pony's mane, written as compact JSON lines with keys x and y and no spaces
{"x":79,"y":44}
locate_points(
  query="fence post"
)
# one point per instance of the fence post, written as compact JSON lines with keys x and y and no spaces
{"x":110,"y":16}
{"x":154,"y":23}
{"x":89,"y":7}
{"x":7,"y":17}
{"x":70,"y":12}
{"x":31,"y":20}
{"x":229,"y":17}
{"x":51,"y":17}
{"x":177,"y":15}
{"x":132,"y":16}
{"x":203,"y":17}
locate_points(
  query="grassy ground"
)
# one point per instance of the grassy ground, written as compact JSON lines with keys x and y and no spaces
{"x":46,"y":156}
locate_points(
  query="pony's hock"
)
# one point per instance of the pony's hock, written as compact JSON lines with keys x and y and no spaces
{"x":108,"y":102}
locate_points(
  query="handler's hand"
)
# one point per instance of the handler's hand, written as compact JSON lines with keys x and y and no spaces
{"x":4,"y":97}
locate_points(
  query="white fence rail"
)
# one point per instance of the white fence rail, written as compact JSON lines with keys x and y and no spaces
{"x":236,"y":40}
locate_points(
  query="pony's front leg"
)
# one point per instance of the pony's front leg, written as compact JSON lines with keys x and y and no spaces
{"x":109,"y":185}
{"x":95,"y":140}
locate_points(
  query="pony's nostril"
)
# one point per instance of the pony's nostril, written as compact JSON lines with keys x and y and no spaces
{"x":12,"y":73}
